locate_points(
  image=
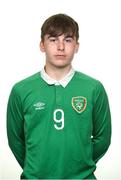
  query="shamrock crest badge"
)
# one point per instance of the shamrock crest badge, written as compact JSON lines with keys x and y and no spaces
{"x":79,"y":103}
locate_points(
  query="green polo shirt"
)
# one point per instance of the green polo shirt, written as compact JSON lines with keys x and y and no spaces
{"x":58,"y":132}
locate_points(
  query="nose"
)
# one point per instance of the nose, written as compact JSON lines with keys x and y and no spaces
{"x":61,"y":46}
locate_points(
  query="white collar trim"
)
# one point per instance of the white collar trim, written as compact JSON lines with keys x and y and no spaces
{"x":63,"y":82}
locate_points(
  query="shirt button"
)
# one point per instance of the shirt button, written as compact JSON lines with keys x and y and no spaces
{"x":57,"y":83}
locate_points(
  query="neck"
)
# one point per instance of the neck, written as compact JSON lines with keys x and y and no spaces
{"x":57,"y":73}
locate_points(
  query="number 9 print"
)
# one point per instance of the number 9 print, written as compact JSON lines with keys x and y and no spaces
{"x":60,"y":121}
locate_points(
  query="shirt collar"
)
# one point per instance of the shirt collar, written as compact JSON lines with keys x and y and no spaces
{"x":63,"y":82}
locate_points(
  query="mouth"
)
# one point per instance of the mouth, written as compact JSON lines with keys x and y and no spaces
{"x":60,"y":56}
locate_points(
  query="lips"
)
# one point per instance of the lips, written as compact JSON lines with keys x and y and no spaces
{"x":60,"y":56}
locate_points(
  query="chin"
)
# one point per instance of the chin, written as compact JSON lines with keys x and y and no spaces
{"x":61,"y":65}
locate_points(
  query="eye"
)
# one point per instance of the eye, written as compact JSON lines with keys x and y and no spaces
{"x":68,"y":40}
{"x":52,"y":39}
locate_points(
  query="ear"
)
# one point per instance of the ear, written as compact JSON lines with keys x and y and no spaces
{"x":77,"y":47}
{"x":42,"y":47}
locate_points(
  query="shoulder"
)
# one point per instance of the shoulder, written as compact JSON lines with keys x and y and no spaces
{"x":26,"y":83}
{"x":89,"y":83}
{"x":86,"y":79}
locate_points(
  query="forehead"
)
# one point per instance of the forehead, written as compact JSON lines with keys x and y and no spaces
{"x":58,"y":31}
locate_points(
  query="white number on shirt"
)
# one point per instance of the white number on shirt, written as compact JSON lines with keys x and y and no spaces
{"x":59,"y":122}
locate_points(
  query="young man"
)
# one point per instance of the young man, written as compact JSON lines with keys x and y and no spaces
{"x":58,"y":120}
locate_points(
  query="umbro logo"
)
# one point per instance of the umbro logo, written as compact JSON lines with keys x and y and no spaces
{"x":39,"y":105}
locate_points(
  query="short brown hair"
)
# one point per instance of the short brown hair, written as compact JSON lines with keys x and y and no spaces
{"x":59,"y":24}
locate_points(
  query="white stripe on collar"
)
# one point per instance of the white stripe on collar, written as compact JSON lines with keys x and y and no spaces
{"x":63,"y":82}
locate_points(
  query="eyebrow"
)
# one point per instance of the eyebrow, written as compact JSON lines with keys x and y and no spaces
{"x":67,"y":36}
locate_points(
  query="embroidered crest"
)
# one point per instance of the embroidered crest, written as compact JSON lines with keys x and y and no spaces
{"x":79,"y":103}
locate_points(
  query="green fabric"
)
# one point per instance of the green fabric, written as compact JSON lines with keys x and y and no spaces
{"x":56,"y":132}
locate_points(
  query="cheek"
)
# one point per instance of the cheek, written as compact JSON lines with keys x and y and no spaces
{"x":50,"y":48}
{"x":49,"y":52}
{"x":71,"y":51}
